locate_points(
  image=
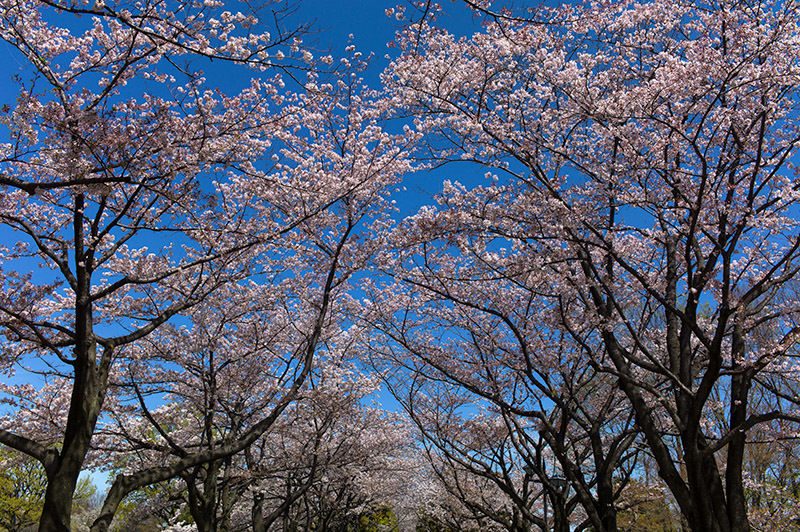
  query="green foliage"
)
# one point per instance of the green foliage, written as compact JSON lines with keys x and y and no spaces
{"x":381,"y":519}
{"x":22,"y":485}
{"x":647,"y":510}
{"x":149,"y":509}
{"x":773,"y":481}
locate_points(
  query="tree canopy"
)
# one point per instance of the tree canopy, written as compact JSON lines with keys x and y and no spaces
{"x":211,"y":268}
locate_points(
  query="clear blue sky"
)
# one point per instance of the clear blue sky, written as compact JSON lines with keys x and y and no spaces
{"x":366,"y":20}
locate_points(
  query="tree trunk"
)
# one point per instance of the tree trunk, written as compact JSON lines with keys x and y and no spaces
{"x":258,"y":513}
{"x":57,"y":508}
{"x":62,"y":477}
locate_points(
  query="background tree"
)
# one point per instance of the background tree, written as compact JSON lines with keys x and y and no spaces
{"x":22,"y":487}
{"x":252,"y":346}
{"x":328,"y":462}
{"x":645,"y":507}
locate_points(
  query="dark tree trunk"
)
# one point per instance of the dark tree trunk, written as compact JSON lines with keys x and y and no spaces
{"x":89,"y":390}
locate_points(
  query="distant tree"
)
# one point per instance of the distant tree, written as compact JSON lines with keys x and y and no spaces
{"x":645,"y":508}
{"x":22,"y":487}
{"x":23,"y":483}
{"x":378,"y":519}
{"x":772,"y":478}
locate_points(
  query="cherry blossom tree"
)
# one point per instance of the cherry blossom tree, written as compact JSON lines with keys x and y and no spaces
{"x":134,"y":192}
{"x":218,"y":379}
{"x":252,"y":347}
{"x":544,"y":412}
{"x":327,"y":459}
{"x":646,"y":153}
{"x":360,"y":463}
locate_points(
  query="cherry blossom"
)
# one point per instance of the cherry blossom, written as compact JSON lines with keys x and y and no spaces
{"x":641,"y":196}
{"x":137,"y":190}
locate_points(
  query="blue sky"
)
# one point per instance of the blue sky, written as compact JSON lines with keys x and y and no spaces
{"x":366,"y":20}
